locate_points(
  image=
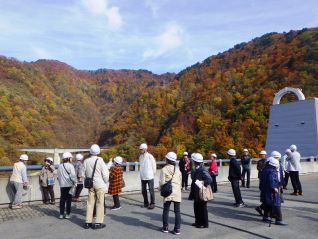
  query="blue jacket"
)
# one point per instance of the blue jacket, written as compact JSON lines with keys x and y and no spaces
{"x":269,"y":181}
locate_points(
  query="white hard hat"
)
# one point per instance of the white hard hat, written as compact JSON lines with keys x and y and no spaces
{"x":272,"y":161}
{"x":263,"y":152}
{"x":213,"y":155}
{"x":67,"y":155}
{"x":231,"y":152}
{"x":276,"y":154}
{"x":94,"y":150}
{"x":185,"y":154}
{"x":197,"y":157}
{"x":143,"y":146}
{"x":79,"y":157}
{"x":49,"y":159}
{"x":288,"y":151}
{"x":171,"y":156}
{"x":245,"y":150}
{"x":24,"y":157}
{"x":293,"y":147}
{"x":118,"y":160}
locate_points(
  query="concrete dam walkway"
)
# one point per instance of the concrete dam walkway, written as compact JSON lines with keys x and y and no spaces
{"x":132,"y":221}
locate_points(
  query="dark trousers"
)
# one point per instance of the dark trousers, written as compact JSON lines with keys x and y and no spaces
{"x":116,"y":200}
{"x":214,"y":185}
{"x":294,"y":178}
{"x":185,"y":177}
{"x":151,"y":191}
{"x":66,"y":198}
{"x":273,"y":211}
{"x":286,"y":179}
{"x":246,"y":171}
{"x":48,"y":194}
{"x":236,"y":191}
{"x":177,"y":214}
{"x":78,"y":190}
{"x":201,"y":213}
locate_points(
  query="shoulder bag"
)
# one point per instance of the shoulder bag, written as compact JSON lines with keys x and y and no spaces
{"x":166,"y":189}
{"x":88,"y":182}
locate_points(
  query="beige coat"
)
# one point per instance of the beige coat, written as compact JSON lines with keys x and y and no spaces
{"x":165,"y":175}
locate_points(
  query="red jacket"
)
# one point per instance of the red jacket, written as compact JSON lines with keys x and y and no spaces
{"x":213,"y":166}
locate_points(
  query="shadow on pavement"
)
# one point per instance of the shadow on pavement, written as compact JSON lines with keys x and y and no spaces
{"x":133,"y":221}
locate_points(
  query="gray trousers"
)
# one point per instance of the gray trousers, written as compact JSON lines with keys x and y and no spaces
{"x":17,"y":189}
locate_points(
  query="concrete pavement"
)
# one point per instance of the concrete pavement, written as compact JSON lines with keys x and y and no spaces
{"x":132,"y":221}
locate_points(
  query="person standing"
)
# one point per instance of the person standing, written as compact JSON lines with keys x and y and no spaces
{"x":213,"y":170}
{"x":171,"y":172}
{"x":270,"y":192}
{"x":19,"y":181}
{"x":79,"y":171}
{"x":47,"y":181}
{"x":116,"y":181}
{"x":203,"y":177}
{"x":234,"y":177}
{"x":246,"y":166}
{"x":294,"y":168}
{"x":284,"y":164}
{"x":148,"y":169}
{"x":96,"y":169}
{"x":261,"y":164}
{"x":67,"y":180}
{"x":185,"y":168}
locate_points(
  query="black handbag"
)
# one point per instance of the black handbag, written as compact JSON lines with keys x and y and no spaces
{"x":166,"y":189}
{"x":89,"y":182}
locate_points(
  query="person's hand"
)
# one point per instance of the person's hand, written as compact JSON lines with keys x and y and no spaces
{"x":275,"y":190}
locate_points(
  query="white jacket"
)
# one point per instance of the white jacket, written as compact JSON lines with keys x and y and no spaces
{"x":101,"y":174}
{"x":148,"y":166}
{"x":294,"y":162}
{"x":19,"y":173}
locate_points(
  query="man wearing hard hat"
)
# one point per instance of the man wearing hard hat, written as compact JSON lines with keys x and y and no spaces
{"x":19,"y":180}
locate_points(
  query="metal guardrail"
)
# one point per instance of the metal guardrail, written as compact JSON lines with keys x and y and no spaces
{"x":135,"y":165}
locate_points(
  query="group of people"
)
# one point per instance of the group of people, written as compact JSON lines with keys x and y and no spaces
{"x":93,"y":174}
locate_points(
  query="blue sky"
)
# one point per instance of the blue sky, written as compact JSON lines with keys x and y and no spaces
{"x":157,"y":35}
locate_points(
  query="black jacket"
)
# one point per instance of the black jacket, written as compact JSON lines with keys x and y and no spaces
{"x":200,"y":174}
{"x":234,"y":170}
{"x":182,"y":165}
{"x":245,"y":161}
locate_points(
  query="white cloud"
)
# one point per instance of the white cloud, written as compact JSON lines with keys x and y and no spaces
{"x":170,"y":39}
{"x":102,"y":8}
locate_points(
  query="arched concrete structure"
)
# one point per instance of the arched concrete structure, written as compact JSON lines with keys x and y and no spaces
{"x":287,"y":90}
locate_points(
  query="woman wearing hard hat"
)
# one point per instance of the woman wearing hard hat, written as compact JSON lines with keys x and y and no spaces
{"x":19,"y":180}
{"x":79,"y":171}
{"x":67,"y":180}
{"x":116,"y":181}
{"x":47,"y":181}
{"x":171,"y":173}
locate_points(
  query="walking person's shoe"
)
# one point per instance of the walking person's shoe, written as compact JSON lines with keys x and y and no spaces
{"x":88,"y":225}
{"x":145,"y":205}
{"x":294,"y":194}
{"x":259,"y":210}
{"x":61,"y":217}
{"x":52,"y":203}
{"x":176,"y":232}
{"x":99,"y":226}
{"x":151,"y":206}
{"x":241,"y":205}
{"x":301,"y":194}
{"x":114,"y":208}
{"x":67,"y":216}
{"x":281,"y":223}
{"x":165,"y":229}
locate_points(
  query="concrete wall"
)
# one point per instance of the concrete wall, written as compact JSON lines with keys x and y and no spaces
{"x":132,"y":181}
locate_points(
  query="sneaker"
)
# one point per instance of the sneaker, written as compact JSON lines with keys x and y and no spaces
{"x":115,"y":208}
{"x":165,"y":229}
{"x":176,"y":232}
{"x":61,"y":217}
{"x":259,"y":210}
{"x":241,"y":205}
{"x":53,"y":203}
{"x":88,"y":225}
{"x":67,"y":216}
{"x":16,"y":207}
{"x":301,"y":194}
{"x":99,"y":226}
{"x":151,"y":206}
{"x":145,"y":206}
{"x":281,"y":223}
